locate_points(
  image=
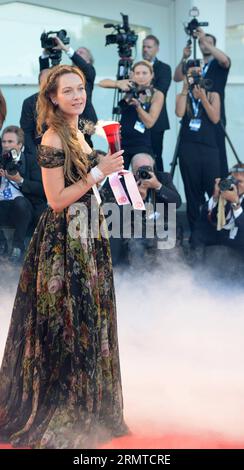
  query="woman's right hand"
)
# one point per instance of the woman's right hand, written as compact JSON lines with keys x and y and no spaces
{"x":112,"y":163}
{"x":124,"y":85}
{"x":216,"y":192}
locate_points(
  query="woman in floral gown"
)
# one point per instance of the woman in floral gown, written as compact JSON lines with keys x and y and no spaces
{"x":60,"y":383}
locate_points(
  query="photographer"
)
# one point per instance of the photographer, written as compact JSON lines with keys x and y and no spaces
{"x":28,"y":118}
{"x":198,"y":152}
{"x":149,"y":178}
{"x":161,"y":81}
{"x":154,"y":187}
{"x":222,"y":218}
{"x":140,"y":109}
{"x":83,"y":59}
{"x":22,"y":198}
{"x":216,"y":68}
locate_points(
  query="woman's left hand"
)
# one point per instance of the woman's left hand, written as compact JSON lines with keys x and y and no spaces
{"x":135,"y":102}
{"x":199,"y":93}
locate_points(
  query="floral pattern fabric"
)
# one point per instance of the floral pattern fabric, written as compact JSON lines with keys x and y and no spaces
{"x":60,"y":382}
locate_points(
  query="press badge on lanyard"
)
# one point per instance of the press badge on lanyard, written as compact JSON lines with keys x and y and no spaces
{"x":195,"y":123}
{"x":139,"y":126}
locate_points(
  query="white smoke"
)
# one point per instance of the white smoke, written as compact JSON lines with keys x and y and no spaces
{"x":181,"y":350}
{"x":182,"y":354}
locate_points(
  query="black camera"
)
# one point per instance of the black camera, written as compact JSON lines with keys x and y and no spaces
{"x":228,"y":183}
{"x":194,"y":78}
{"x":48,"y":42}
{"x":135,"y":91}
{"x":143,"y":173}
{"x":9,"y":162}
{"x":202,"y":82}
{"x":191,"y":27}
{"x":124,"y":37}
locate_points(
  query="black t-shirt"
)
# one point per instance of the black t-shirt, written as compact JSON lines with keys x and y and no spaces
{"x":219,"y":76}
{"x":130,"y":137}
{"x":161,"y":81}
{"x":205,"y":135}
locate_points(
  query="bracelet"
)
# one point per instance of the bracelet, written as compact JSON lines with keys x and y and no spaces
{"x":97,"y":174}
{"x":184,"y":94}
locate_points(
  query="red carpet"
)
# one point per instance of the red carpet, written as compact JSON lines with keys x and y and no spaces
{"x":174,"y":441}
{"x":169,"y":441}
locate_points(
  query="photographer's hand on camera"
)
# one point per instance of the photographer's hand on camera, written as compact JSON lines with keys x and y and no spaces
{"x":134,"y":102}
{"x":231,"y":196}
{"x":200,"y":34}
{"x":152,"y":183}
{"x":123,"y":85}
{"x":17,"y":178}
{"x":60,"y":45}
{"x":199,"y":93}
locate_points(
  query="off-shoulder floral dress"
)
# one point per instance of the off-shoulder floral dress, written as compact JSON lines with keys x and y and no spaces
{"x":60,"y":382}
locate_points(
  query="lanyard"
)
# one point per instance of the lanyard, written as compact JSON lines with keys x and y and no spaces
{"x":205,"y":68}
{"x":195,"y":104}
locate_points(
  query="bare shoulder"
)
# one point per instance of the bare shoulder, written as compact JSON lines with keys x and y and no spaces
{"x":157,"y":94}
{"x":52,"y":139}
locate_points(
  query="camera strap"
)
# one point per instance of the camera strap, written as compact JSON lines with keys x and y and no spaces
{"x":195,"y":104}
{"x":195,"y":123}
{"x":205,"y":68}
{"x":16,"y":187}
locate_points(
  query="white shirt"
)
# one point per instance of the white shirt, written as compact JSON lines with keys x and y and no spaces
{"x":9,"y":191}
{"x":230,"y":217}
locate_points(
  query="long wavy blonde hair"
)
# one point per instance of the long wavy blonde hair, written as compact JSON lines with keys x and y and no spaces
{"x":75,"y":165}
